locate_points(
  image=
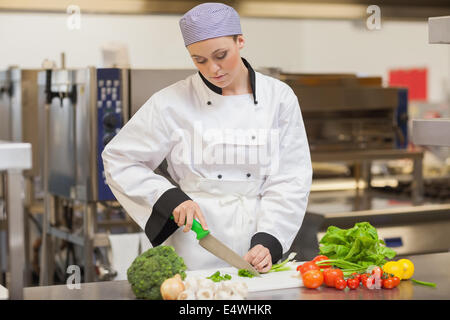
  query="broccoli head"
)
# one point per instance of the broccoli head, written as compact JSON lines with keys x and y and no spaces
{"x":149,"y":270}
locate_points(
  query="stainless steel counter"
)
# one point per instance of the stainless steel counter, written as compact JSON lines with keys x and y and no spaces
{"x":431,"y":267}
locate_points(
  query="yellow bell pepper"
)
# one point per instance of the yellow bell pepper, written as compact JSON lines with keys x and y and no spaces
{"x":403,"y":268}
{"x":395,"y":268}
{"x":408,"y":268}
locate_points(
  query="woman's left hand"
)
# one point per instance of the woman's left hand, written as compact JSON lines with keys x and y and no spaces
{"x":259,"y":256}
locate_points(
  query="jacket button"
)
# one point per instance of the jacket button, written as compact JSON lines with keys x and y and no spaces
{"x":208,"y":103}
{"x":219,"y":176}
{"x":248,"y":175}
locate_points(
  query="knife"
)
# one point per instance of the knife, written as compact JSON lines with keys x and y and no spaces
{"x":220,"y":250}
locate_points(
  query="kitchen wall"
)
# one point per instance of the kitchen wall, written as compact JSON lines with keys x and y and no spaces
{"x":154,"y":41}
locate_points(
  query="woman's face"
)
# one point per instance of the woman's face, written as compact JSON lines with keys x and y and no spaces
{"x":218,"y":59}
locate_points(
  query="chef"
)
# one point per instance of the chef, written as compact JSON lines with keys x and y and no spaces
{"x":235,"y":146}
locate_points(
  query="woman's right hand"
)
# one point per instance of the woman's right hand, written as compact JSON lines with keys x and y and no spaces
{"x":185,"y":213}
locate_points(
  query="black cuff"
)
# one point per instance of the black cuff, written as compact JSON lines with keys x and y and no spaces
{"x":270,"y":242}
{"x":159,"y":226}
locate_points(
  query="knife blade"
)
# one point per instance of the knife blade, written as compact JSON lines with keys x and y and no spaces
{"x":220,"y":250}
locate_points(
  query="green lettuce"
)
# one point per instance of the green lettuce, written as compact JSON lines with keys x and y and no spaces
{"x":359,"y":244}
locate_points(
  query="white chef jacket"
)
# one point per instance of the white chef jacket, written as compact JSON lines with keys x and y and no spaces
{"x":243,"y":158}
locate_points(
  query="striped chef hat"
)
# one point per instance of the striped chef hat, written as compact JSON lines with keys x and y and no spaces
{"x":209,"y":20}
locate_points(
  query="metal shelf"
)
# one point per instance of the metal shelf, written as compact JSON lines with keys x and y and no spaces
{"x":14,"y":158}
{"x":431,"y":132}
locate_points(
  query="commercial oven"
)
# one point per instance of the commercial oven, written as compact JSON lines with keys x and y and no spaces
{"x":344,"y":112}
{"x":87,"y":108}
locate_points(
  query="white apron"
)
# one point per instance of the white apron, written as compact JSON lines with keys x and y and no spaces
{"x":230,"y":209}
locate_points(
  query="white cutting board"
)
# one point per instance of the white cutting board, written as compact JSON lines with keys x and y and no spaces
{"x":3,"y":293}
{"x":267,"y":281}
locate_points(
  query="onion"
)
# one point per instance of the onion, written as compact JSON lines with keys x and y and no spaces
{"x":172,"y":287}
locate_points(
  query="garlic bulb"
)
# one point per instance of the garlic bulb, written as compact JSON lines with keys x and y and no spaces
{"x":205,"y":294}
{"x":236,"y":297}
{"x":206,"y":284}
{"x":240,"y":288}
{"x":206,"y":289}
{"x":172,"y":287}
{"x":222,"y":294}
{"x":187,"y":294}
{"x":225,"y":286}
{"x":191,"y":283}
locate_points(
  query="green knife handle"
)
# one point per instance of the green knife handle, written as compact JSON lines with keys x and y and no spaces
{"x":197,"y":228}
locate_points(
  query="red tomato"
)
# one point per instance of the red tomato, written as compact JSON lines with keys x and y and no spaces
{"x":321,"y":258}
{"x":312,"y":279}
{"x":396,"y":281}
{"x":340,"y":284}
{"x":356,"y":276}
{"x":388,"y":283}
{"x":364,"y":277}
{"x":330,"y":275}
{"x":307,"y":266}
{"x":368,"y":281}
{"x":353,"y":283}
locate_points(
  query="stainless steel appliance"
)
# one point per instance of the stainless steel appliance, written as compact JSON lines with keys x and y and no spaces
{"x":5,"y":105}
{"x":20,"y":122}
{"x":84,"y":109}
{"x":87,"y":108}
{"x":19,"y":116}
{"x":345,"y":112}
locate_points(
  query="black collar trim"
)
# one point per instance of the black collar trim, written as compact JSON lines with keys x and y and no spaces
{"x":252,"y":76}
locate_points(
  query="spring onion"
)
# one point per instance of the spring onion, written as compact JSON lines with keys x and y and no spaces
{"x":424,"y":283}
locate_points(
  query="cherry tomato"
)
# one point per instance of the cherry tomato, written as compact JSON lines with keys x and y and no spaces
{"x":312,"y":279}
{"x":330,"y":275}
{"x":340,"y":284}
{"x":388,"y":283}
{"x":307,"y":266}
{"x":321,"y":258}
{"x":357,"y":276}
{"x":368,"y":281}
{"x":353,"y":283}
{"x":363,"y":279}
{"x":396,"y":281}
